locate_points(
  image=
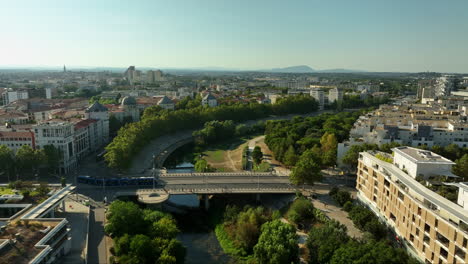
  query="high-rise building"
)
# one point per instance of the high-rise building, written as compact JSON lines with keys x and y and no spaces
{"x":150,"y":77}
{"x":402,"y":190}
{"x":335,"y":94}
{"x":319,"y":96}
{"x":158,"y":75}
{"x":129,"y":74}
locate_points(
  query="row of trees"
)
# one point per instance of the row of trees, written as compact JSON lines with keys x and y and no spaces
{"x":27,"y":159}
{"x":143,"y":236}
{"x":133,"y":137}
{"x":257,"y":234}
{"x":355,"y":101}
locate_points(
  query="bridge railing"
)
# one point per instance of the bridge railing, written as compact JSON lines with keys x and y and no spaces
{"x":218,"y":174}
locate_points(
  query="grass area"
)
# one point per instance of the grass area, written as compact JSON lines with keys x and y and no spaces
{"x":214,"y":156}
{"x":4,"y":190}
{"x":262,"y":167}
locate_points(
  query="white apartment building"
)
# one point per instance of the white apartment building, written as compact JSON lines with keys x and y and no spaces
{"x":335,"y":94}
{"x":101,"y":114}
{"x":319,"y":96}
{"x":61,"y":135}
{"x":10,"y":95}
{"x":209,"y":100}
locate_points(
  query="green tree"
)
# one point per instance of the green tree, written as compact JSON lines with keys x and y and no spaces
{"x":307,"y":170}
{"x":452,"y":151}
{"x":53,"y":156}
{"x":142,"y":249}
{"x":28,"y":159}
{"x":124,"y":218}
{"x":6,"y":159}
{"x":277,"y":244}
{"x":290,"y":157}
{"x":323,"y":241}
{"x":202,"y":166}
{"x":300,"y":211}
{"x":329,"y":145}
{"x":257,"y":155}
{"x":461,"y":167}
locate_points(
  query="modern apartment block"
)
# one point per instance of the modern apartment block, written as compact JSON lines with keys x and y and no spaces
{"x":431,"y":227}
{"x":319,"y":96}
{"x":10,"y":95}
{"x":335,"y":94}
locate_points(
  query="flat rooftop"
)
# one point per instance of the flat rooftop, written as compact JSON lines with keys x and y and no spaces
{"x":419,"y":155}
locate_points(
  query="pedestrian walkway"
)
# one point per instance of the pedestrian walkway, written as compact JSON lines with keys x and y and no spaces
{"x":325,"y":203}
{"x":78,"y":216}
{"x":97,"y":240}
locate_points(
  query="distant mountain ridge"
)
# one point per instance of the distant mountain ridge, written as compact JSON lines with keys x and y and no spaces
{"x":290,"y":69}
{"x":293,"y":69}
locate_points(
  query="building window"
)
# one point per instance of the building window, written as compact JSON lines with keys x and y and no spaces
{"x":436,"y":223}
{"x":460,"y":253}
{"x":411,"y":238}
{"x":400,"y":196}
{"x":464,"y":242}
{"x":443,"y":253}
{"x":427,"y":228}
{"x":392,"y":217}
{"x":442,"y":239}
{"x":426,"y":239}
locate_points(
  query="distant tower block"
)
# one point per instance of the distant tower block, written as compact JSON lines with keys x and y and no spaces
{"x":64,"y":68}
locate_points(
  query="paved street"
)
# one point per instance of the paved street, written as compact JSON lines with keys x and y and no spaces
{"x":97,"y":241}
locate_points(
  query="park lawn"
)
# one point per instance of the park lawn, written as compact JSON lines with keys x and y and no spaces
{"x":226,"y":156}
{"x":5,"y":190}
{"x":214,"y":156}
{"x":262,"y":167}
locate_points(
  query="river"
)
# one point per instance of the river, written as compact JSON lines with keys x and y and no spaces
{"x":201,"y":242}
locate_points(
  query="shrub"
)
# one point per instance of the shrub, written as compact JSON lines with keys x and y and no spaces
{"x":348,"y":206}
{"x":300,"y":211}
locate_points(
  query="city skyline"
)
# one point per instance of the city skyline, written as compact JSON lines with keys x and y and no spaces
{"x":368,"y":36}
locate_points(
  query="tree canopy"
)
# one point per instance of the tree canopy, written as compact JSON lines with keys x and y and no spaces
{"x":277,"y":244}
{"x":143,"y":236}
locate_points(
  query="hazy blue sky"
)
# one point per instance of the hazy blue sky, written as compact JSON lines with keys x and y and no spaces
{"x":375,"y":35}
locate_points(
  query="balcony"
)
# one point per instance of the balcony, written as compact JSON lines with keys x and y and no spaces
{"x":442,"y":240}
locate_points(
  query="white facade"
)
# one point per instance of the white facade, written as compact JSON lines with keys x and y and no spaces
{"x":16,"y":139}
{"x":335,"y":94}
{"x":423,"y":163}
{"x":10,"y":96}
{"x":319,"y":96}
{"x":209,"y":100}
{"x":61,"y":135}
{"x":463,"y":195}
